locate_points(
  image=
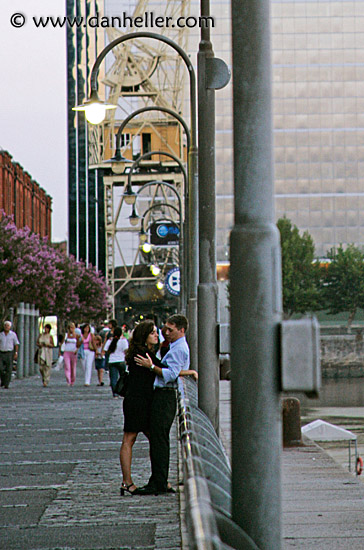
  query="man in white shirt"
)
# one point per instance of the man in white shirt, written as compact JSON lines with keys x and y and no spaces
{"x":9,"y":345}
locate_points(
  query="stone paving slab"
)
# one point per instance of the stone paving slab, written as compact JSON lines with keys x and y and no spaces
{"x":60,"y":473}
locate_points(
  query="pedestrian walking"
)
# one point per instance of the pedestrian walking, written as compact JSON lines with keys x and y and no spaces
{"x":99,"y":360}
{"x":112,"y":324}
{"x":89,"y":347}
{"x":164,"y":404}
{"x":9,"y":346}
{"x":70,"y":346}
{"x":45,"y":344}
{"x":116,"y":351}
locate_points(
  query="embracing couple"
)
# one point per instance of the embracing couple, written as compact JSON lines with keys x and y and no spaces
{"x":150,"y":402}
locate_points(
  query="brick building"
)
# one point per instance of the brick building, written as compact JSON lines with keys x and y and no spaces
{"x":23,"y":198}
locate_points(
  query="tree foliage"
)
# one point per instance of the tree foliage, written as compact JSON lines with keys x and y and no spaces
{"x":300,"y":272}
{"x":343,"y":288}
{"x":33,"y":271}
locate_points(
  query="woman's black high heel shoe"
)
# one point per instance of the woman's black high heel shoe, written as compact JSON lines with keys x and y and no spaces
{"x":126,"y":488}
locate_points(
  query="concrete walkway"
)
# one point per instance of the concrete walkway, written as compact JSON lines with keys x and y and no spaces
{"x":60,"y":473}
{"x":323,"y":505}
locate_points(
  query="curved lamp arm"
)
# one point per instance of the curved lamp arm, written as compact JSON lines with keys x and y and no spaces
{"x":148,"y":155}
{"x":166,"y":40}
{"x":144,"y":110}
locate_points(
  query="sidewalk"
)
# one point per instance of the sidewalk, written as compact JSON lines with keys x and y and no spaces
{"x":323,"y":505}
{"x":60,"y":473}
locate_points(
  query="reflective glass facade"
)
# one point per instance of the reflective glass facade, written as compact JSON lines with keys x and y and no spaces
{"x":318,"y":113}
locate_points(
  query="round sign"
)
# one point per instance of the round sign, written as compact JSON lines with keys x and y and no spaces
{"x":162,"y":231}
{"x":173,"y":281}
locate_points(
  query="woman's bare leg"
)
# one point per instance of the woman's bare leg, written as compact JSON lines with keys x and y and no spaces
{"x":126,"y":451}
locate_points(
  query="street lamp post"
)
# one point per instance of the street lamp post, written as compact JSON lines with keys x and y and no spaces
{"x":132,"y":197}
{"x":193,"y":239}
{"x":179,"y":225}
{"x":212,"y":74}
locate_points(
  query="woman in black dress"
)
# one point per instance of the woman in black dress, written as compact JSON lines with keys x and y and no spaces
{"x":138,"y":398}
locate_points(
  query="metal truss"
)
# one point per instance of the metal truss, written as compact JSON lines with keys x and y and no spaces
{"x":144,"y":72}
{"x":126,"y":262}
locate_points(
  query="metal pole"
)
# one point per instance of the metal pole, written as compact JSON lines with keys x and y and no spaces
{"x":36,"y":334}
{"x":31,"y":340}
{"x":26,"y":340}
{"x":193,"y":244}
{"x":20,"y":333}
{"x":208,"y":357}
{"x":255,"y":279}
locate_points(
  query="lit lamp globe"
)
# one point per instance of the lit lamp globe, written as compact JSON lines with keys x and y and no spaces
{"x":155,"y":270}
{"x":95,"y":110}
{"x":159,"y":285}
{"x":147,"y":247}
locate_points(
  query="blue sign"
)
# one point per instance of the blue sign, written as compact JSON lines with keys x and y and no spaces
{"x":173,"y":281}
{"x":164,"y":234}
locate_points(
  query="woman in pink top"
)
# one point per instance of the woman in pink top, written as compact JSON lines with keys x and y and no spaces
{"x":88,"y":341}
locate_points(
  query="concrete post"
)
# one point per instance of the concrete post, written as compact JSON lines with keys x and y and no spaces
{"x":208,"y":358}
{"x":255,"y":276}
{"x":20,"y":334}
{"x":26,"y":340}
{"x":291,"y":417}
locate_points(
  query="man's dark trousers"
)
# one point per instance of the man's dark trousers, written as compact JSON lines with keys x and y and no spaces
{"x":6,"y":367}
{"x":164,"y":406}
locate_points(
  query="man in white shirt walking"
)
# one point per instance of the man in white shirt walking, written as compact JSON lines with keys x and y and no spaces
{"x":9,"y":345}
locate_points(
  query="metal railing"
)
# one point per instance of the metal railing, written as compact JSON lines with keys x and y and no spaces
{"x":207,"y":479}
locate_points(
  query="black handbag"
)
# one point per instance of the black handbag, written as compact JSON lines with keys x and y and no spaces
{"x":122,"y":384}
{"x":36,"y":356}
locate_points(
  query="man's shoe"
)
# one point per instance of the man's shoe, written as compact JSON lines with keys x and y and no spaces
{"x":146,"y":490}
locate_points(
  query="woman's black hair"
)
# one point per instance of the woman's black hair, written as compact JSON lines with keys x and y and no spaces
{"x":117,"y":333}
{"x":137,"y":343}
{"x":84,"y":326}
{"x":48,"y":326}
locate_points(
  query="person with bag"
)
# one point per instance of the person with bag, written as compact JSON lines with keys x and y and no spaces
{"x":116,"y":348}
{"x":89,"y":348}
{"x":45,"y":345}
{"x":70,"y":346}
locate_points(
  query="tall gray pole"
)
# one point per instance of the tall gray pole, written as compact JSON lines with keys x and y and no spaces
{"x":36,"y":334}
{"x":31,"y":340}
{"x":26,"y":340}
{"x":193,"y":246}
{"x":208,"y":358}
{"x":255,"y":279}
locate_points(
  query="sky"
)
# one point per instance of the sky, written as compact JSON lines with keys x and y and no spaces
{"x":33,"y":94}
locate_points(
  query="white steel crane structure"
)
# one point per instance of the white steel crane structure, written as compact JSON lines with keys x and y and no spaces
{"x":144,"y":72}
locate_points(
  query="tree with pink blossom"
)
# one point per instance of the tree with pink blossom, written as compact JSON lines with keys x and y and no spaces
{"x":33,"y":271}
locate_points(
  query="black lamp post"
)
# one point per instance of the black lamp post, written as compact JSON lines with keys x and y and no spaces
{"x":193,"y":240}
